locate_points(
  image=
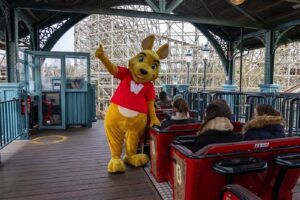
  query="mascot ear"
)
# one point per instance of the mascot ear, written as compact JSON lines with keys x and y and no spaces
{"x":163,"y":51}
{"x":148,"y":42}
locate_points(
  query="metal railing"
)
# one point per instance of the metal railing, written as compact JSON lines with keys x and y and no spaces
{"x":244,"y":103}
{"x":12,"y":122}
{"x":237,"y":102}
{"x":294,"y":117}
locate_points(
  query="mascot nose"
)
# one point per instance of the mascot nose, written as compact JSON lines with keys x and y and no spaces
{"x":144,"y":72}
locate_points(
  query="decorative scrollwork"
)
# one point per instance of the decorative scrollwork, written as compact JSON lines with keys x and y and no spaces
{"x":223,"y":44}
{"x":46,"y":32}
{"x":25,"y":41}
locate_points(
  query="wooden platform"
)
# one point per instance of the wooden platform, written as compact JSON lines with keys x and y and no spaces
{"x":72,"y":169}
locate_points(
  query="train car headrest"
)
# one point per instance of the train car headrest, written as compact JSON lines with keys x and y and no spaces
{"x":248,"y":146}
{"x":188,"y":126}
{"x":162,"y":111}
{"x":237,"y":125}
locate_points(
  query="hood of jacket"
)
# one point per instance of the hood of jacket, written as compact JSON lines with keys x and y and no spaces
{"x":265,"y":121}
{"x":217,"y":124}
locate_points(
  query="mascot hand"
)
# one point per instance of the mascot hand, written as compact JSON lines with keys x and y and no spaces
{"x":99,"y":52}
{"x":154,"y":121}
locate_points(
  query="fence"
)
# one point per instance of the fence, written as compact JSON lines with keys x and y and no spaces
{"x":198,"y":101}
{"x":244,"y":103}
{"x":294,"y":120}
{"x":237,"y":103}
{"x":12,"y":122}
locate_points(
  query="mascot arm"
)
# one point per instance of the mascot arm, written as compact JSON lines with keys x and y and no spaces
{"x":111,"y":68}
{"x":153,"y":119}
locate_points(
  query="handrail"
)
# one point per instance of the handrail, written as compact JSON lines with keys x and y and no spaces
{"x":12,"y":122}
{"x":243,"y":104}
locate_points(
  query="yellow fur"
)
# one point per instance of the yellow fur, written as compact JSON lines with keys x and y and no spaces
{"x":119,"y":127}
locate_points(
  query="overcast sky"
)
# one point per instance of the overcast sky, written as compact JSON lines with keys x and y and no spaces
{"x":66,"y":42}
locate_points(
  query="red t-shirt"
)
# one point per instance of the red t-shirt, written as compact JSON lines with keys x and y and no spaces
{"x":131,"y":95}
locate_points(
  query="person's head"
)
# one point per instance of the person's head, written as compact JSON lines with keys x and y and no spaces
{"x":217,"y":108}
{"x":177,"y":96}
{"x":163,"y":96}
{"x":181,"y":106}
{"x":265,"y":109}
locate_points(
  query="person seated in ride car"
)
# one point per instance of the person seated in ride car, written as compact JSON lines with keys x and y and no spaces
{"x":181,"y":110}
{"x":177,"y":96}
{"x":163,"y":100}
{"x":266,"y":124}
{"x":217,"y":127}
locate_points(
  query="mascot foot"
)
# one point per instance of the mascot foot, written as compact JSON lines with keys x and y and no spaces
{"x":137,"y":160}
{"x":116,"y":165}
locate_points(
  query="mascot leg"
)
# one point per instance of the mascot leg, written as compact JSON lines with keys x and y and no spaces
{"x":135,"y":129}
{"x":115,"y":137}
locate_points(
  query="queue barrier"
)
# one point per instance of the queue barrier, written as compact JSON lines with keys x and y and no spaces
{"x":243,"y":104}
{"x":12,"y":121}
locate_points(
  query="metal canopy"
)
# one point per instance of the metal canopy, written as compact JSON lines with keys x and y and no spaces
{"x":268,"y":23}
{"x":221,"y":17}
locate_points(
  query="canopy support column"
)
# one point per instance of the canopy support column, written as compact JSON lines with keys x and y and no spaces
{"x":11,"y":45}
{"x":269,"y":85}
{"x":230,"y":77}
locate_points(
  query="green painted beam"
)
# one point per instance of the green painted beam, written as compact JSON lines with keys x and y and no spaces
{"x":152,"y":5}
{"x":269,"y":58}
{"x":162,"y":6}
{"x":217,"y":32}
{"x":173,"y":5}
{"x":280,"y":38}
{"x":216,"y":46}
{"x":59,"y":33}
{"x":283,"y":26}
{"x":25,"y":19}
{"x":141,"y":14}
{"x":249,"y":15}
{"x":230,"y":65}
{"x":11,"y":46}
{"x":251,"y":35}
{"x":295,"y":22}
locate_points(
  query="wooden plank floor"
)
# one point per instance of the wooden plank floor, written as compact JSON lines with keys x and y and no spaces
{"x":72,"y":169}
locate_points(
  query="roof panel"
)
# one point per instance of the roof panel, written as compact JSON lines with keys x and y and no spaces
{"x":266,"y":12}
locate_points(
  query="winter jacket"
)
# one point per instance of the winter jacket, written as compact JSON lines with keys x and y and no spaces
{"x":264,"y":127}
{"x":217,"y":130}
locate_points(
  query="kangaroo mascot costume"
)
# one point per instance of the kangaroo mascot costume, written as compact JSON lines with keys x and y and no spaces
{"x":133,"y":100}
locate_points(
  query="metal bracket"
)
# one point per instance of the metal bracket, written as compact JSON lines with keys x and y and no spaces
{"x":217,"y":46}
{"x":280,"y":36}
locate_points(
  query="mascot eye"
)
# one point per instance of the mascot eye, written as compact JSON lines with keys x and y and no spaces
{"x":154,"y":66}
{"x":141,"y":59}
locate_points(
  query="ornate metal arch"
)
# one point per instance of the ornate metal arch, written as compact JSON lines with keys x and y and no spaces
{"x":5,"y":10}
{"x":49,"y":35}
{"x":221,"y":45}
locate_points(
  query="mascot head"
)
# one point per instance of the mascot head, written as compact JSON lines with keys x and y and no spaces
{"x":145,"y":66}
